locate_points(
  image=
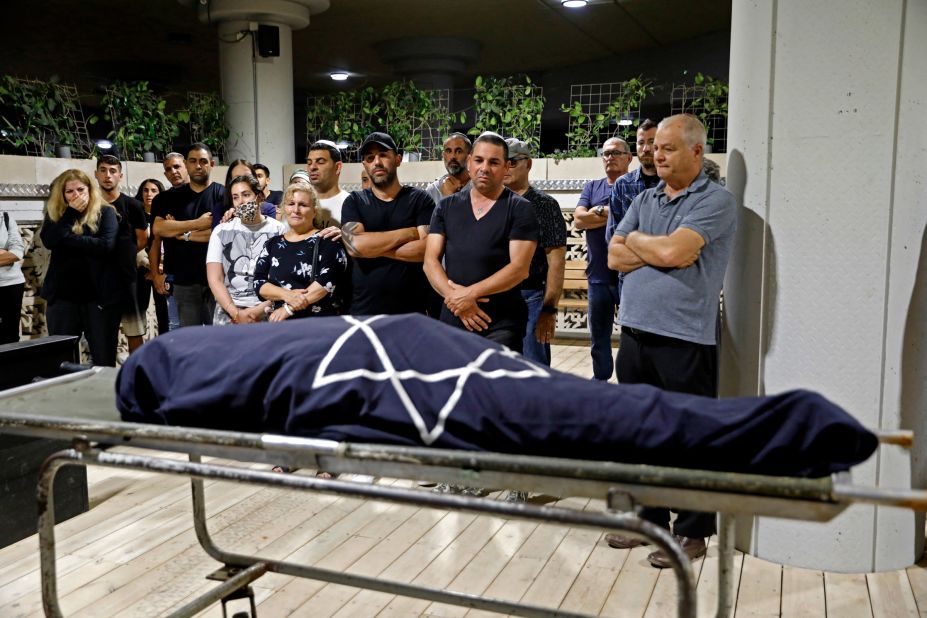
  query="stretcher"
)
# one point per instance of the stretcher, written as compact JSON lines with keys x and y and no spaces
{"x":79,"y":408}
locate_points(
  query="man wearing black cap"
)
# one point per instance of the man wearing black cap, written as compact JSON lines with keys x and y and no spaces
{"x":384,"y":230}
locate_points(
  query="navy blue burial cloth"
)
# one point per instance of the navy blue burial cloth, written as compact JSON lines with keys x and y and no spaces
{"x":411,"y":380}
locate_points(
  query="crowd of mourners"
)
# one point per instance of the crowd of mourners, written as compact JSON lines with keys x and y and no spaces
{"x":478,"y":249}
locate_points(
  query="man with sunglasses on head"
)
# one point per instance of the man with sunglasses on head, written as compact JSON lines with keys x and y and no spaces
{"x":544,"y":285}
{"x":591,"y":215}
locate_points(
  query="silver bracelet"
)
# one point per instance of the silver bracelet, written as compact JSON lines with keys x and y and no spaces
{"x":286,"y":307}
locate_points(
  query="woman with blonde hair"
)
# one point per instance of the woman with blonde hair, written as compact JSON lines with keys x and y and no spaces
{"x":300,"y":270}
{"x":83,"y":286}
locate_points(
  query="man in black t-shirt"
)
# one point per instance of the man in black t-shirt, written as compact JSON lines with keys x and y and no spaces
{"x":486,"y":236}
{"x":384,"y":229}
{"x":544,"y":285}
{"x":182,"y":218}
{"x":131,"y":238}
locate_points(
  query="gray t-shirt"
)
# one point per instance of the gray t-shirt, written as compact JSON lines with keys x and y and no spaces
{"x":680,"y":302}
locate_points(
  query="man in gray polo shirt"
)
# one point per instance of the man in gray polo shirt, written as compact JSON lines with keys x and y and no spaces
{"x":673,"y":244}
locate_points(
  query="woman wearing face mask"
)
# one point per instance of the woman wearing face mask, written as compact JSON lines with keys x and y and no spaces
{"x":84,"y":285}
{"x":240,"y":167}
{"x":233,"y":249}
{"x":300,"y":270}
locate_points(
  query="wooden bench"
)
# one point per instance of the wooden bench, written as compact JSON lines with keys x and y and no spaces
{"x":574,"y":284}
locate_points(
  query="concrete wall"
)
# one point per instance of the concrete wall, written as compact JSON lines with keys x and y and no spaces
{"x":826,"y":289}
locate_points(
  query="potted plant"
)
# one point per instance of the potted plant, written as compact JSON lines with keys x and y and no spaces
{"x":622,"y":112}
{"x":39,"y":117}
{"x":509,"y":106}
{"x":141,"y":123}
{"x":206,"y":114}
{"x":711,"y":105}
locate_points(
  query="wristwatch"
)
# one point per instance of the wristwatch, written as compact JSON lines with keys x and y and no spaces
{"x":548,"y":309}
{"x":186,"y":235}
{"x":599,"y":210}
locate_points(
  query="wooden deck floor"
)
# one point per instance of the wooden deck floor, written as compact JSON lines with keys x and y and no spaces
{"x":134,"y":554}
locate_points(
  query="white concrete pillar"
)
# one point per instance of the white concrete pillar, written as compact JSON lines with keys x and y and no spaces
{"x":259,"y":95}
{"x":827,"y":286}
{"x":258,"y":90}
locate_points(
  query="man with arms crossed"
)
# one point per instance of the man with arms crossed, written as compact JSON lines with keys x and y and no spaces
{"x":487,"y":236}
{"x":384,"y":231}
{"x":673,"y":246}
{"x":182,"y":217}
{"x":591,"y":215}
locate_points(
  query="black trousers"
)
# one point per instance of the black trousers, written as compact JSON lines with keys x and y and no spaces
{"x":99,"y":324}
{"x":11,"y":306}
{"x":673,"y":365}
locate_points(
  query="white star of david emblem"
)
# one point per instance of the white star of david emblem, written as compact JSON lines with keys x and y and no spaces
{"x":396,"y":378}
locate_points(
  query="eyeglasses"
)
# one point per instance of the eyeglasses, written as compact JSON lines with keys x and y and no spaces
{"x":515,"y":160}
{"x":614,"y":153}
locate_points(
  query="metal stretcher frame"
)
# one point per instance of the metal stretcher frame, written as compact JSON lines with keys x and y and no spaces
{"x":624,"y":486}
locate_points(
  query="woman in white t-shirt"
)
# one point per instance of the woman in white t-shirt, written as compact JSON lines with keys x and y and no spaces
{"x":233,"y":249}
{"x":12,"y":282}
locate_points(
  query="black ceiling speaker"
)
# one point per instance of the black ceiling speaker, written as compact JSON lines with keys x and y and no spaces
{"x":268,"y":40}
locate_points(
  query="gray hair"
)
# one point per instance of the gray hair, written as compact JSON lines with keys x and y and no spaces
{"x":620,"y":141}
{"x":693,"y":131}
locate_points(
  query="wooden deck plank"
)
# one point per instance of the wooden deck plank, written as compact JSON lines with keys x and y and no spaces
{"x":707,"y":591}
{"x":375,"y":560}
{"x":891,"y":595}
{"x":486,"y":564}
{"x":447,"y":565}
{"x":414,"y":561}
{"x":760,"y":588}
{"x":847,"y":595}
{"x":630,"y":595}
{"x":802,"y":593}
{"x":917,"y":577}
{"x":524,"y":568}
{"x":554,"y":582}
{"x":339,"y":542}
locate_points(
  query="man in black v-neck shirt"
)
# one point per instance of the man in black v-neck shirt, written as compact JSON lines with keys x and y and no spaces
{"x":487,"y":237}
{"x":384,"y":229}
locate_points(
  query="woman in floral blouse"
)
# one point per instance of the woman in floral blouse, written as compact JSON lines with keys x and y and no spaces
{"x":300,"y":270}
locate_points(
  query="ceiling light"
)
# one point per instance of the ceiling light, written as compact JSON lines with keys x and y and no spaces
{"x":338,"y":76}
{"x":343,"y":145}
{"x":573,"y":4}
{"x":105,"y":144}
{"x":625,"y":122}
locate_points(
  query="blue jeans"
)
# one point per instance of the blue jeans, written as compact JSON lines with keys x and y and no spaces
{"x":603,"y":302}
{"x":531,"y":347}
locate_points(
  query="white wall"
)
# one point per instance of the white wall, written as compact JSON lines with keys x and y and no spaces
{"x":826,"y":157}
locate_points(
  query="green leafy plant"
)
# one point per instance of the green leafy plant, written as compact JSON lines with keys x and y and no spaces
{"x":510,"y":106}
{"x":141,"y":122}
{"x":711,"y":105}
{"x":402,"y":109}
{"x":587,"y":129}
{"x":38,"y":115}
{"x":206,"y":116}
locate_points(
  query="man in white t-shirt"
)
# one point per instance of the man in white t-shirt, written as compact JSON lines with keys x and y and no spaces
{"x":234,"y":247}
{"x":324,"y":166}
